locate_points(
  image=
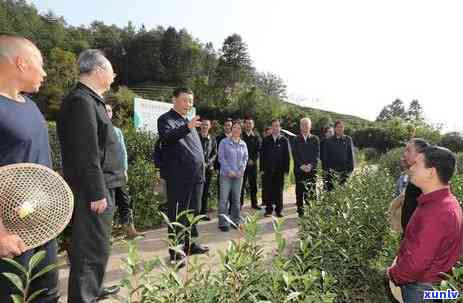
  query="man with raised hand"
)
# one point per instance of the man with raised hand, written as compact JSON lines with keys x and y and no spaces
{"x":183,"y":165}
{"x":23,"y":139}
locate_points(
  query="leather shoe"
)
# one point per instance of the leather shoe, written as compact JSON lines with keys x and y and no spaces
{"x":105,"y":292}
{"x":224,"y":228}
{"x":196,"y":249}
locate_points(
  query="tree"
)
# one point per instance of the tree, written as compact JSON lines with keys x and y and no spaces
{"x":234,"y":65}
{"x":394,"y":110}
{"x":271,"y":84}
{"x":61,"y":75}
{"x":453,"y":141}
{"x":415,"y":111}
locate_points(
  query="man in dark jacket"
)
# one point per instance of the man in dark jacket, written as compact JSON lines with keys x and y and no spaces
{"x":305,"y":149}
{"x":210,"y":154}
{"x":92,"y":166}
{"x":183,"y":168}
{"x":253,"y":142}
{"x":338,"y":157}
{"x":274,"y":163}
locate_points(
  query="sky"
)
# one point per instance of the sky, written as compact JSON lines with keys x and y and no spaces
{"x":352,"y":57}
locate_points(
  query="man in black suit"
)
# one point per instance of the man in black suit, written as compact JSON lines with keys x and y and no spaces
{"x":183,"y":168}
{"x":274,"y":163}
{"x":92,"y":165}
{"x":210,"y":155}
{"x":305,"y":149}
{"x":338,"y":157}
{"x":253,"y":142}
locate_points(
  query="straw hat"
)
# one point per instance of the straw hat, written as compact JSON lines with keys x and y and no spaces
{"x":35,"y":202}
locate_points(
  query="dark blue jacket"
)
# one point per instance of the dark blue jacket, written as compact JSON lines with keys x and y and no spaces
{"x":338,"y":154}
{"x":305,"y":152}
{"x":182,"y":152}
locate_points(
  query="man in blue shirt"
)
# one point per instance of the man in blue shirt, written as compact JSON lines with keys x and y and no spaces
{"x":24,"y":139}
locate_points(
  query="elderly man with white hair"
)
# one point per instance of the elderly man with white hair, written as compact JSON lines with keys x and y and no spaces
{"x":92,"y":165}
{"x":306,"y":151}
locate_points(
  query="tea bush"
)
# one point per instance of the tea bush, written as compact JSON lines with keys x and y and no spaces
{"x":346,"y":231}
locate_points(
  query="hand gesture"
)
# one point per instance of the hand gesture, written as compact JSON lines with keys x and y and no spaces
{"x":194,"y":122}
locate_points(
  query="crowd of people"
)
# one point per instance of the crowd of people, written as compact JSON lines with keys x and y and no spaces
{"x":95,"y":167}
{"x":188,"y":158}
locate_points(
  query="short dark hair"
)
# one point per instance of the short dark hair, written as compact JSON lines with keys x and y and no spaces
{"x":228,"y":120}
{"x":442,"y":159}
{"x":420,"y":144}
{"x":180,"y":90}
{"x":338,"y":122}
{"x":248,"y":118}
{"x":275,"y":120}
{"x":237,"y":122}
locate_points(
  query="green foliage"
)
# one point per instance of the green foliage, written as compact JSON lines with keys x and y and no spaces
{"x":460,"y":163}
{"x":244,"y":274}
{"x":390,"y":161}
{"x":55,"y":149}
{"x":371,"y":154}
{"x":25,"y":275}
{"x":61,"y":76}
{"x":453,"y":141}
{"x":345,"y":232}
{"x":145,"y":201}
{"x":122,"y":102}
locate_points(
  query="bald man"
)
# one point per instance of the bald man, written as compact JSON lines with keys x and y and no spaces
{"x":24,"y":138}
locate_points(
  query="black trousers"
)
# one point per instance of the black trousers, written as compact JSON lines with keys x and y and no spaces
{"x":250,"y":176}
{"x":180,"y":198}
{"x":273,"y":191}
{"x":332,"y":176}
{"x":124,"y":205}
{"x":305,"y":189}
{"x":205,"y":194}
{"x":48,"y":281}
{"x":90,"y":248}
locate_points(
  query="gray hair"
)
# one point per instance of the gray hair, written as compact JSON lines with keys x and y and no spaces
{"x":306,"y":119}
{"x":90,"y":59}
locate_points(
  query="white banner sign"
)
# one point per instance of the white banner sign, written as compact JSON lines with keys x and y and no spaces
{"x":147,"y":112}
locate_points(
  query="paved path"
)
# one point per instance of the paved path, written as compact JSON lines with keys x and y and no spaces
{"x":155,"y":244}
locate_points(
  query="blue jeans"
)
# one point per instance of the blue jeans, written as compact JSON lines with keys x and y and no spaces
{"x":229,"y":187}
{"x":414,"y":292}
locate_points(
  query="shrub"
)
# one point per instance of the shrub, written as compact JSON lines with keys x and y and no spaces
{"x":244,"y":274}
{"x":391,"y":162}
{"x":54,"y":146}
{"x":371,"y":154}
{"x":460,"y":163}
{"x":452,"y":141}
{"x":146,"y":202}
{"x":140,"y":144}
{"x":345,"y":231}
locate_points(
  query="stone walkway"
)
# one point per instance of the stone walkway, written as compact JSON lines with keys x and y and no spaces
{"x":155,"y":244}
